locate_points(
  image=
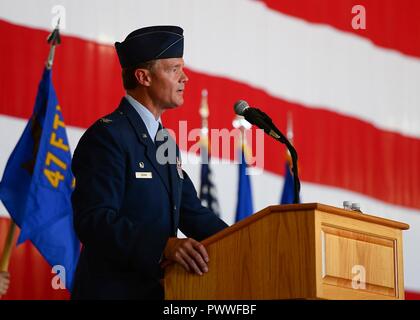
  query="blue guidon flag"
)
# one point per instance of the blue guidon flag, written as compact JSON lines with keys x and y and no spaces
{"x":288,"y":193}
{"x":37,"y":184}
{"x":244,"y":206}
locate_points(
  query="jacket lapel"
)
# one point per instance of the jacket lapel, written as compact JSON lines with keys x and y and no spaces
{"x":143,"y":136}
{"x":176,"y":186}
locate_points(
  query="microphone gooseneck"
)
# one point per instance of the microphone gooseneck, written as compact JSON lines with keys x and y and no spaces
{"x":264,"y":122}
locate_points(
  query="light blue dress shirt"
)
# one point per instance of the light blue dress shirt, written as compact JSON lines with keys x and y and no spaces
{"x":148,"y":118}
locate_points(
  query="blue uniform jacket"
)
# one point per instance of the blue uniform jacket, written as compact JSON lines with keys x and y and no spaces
{"x":126,"y":205}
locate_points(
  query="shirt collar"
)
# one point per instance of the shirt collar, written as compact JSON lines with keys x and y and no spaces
{"x":148,"y":118}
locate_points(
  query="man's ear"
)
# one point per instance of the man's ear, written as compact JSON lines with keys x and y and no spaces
{"x":143,"y":77}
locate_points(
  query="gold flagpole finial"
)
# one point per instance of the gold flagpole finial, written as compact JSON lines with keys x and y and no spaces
{"x":290,"y":127}
{"x":204,"y":113}
{"x":240,"y":123}
{"x":204,"y":134}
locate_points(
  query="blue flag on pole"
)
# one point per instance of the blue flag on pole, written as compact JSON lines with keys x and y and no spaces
{"x":37,"y":184}
{"x":287,"y":195}
{"x":244,"y":207}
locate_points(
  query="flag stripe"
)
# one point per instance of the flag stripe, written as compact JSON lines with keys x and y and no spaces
{"x":390,"y":24}
{"x":342,"y":146}
{"x":353,"y":94}
{"x":266,"y":190}
{"x":301,"y":62}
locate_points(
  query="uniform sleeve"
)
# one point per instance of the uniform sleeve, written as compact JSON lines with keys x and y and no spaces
{"x":100,"y":171}
{"x":197,"y":221}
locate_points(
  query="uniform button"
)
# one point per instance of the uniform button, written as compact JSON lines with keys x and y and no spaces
{"x":174,"y":208}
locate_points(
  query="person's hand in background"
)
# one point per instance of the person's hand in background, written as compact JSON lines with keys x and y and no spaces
{"x":4,"y":282}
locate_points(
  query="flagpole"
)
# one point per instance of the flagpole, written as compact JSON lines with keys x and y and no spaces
{"x":204,"y":114}
{"x":244,"y":205}
{"x":54,"y":40}
{"x":289,"y":134}
{"x":290,"y":127}
{"x":240,"y":123}
{"x":294,"y":157}
{"x":5,"y":257}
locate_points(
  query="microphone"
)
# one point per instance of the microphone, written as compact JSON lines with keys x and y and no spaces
{"x":257,"y":118}
{"x":263,"y":121}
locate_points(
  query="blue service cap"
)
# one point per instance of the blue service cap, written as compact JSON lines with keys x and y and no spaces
{"x":150,"y":43}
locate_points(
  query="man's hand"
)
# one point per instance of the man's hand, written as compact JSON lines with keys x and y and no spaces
{"x":4,"y":282}
{"x":189,"y":253}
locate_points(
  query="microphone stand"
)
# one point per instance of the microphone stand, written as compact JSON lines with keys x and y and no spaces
{"x":293,"y":154}
{"x":281,"y":138}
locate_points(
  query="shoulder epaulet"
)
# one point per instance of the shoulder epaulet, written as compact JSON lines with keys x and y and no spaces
{"x":105,"y":120}
{"x":111,"y":118}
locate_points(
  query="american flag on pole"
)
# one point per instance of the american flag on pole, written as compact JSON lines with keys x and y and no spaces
{"x":208,"y":193}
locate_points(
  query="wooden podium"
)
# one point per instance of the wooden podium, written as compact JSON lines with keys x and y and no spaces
{"x":305,"y":251}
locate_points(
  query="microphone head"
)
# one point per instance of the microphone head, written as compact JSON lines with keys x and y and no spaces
{"x":240,"y":106}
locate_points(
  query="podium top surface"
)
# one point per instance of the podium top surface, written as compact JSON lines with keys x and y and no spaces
{"x":305,"y":207}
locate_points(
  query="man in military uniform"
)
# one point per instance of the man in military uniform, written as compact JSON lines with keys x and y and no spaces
{"x":128,"y":202}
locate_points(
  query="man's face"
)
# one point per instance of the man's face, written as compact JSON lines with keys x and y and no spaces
{"x":168,"y":83}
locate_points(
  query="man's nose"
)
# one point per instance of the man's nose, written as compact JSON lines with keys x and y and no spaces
{"x":184,"y":77}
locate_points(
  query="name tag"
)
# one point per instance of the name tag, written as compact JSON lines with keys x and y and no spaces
{"x":143,"y":175}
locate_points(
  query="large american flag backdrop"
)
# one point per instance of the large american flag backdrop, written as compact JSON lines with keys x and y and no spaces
{"x":354,"y":95}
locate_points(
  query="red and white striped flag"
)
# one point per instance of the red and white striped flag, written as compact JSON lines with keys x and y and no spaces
{"x":354,"y":93}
